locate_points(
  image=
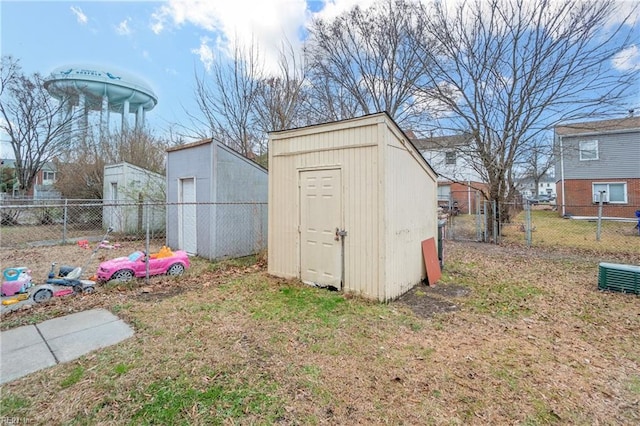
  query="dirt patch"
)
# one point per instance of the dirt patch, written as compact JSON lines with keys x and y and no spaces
{"x":425,"y":301}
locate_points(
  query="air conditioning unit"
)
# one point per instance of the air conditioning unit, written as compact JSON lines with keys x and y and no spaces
{"x":619,"y":277}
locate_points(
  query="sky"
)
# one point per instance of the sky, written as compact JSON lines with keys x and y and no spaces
{"x":163,"y":43}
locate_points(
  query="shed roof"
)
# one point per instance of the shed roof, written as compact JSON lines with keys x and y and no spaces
{"x":601,"y":126}
{"x":133,"y":166}
{"x":355,"y":119}
{"x":208,"y":141}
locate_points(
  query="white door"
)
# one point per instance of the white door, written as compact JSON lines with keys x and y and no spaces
{"x":187,"y":230}
{"x":320,"y":215}
{"x":112,"y":216}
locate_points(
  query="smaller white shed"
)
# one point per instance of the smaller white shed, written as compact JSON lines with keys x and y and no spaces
{"x":349,"y":204}
{"x":131,"y":194}
{"x":217,"y":201}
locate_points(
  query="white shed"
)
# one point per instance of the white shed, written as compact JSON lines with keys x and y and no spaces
{"x":349,"y":204}
{"x":130,"y":195}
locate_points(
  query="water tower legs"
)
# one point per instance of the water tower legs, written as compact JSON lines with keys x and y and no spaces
{"x":125,"y":115}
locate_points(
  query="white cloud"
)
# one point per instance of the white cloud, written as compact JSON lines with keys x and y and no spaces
{"x":123,"y":28}
{"x":80,"y":16}
{"x":265,"y":24}
{"x":205,"y":53}
{"x":627,"y":60}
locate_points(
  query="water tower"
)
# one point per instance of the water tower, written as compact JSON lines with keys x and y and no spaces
{"x":87,"y":88}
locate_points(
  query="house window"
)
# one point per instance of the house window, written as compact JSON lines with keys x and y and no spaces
{"x":450,"y":158}
{"x":610,"y":192}
{"x":49,"y":176}
{"x":588,"y":150}
{"x":444,"y":192}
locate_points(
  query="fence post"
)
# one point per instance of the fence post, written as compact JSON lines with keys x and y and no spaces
{"x":146,"y":275}
{"x":64,"y":221}
{"x":527,"y":223}
{"x":478,"y":218}
{"x":599,"y":215}
{"x":486,"y":220}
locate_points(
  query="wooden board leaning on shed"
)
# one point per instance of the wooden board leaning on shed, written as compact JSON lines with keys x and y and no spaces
{"x":431,"y":262}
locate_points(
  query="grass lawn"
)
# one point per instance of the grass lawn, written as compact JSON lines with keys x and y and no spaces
{"x":533,"y":342}
{"x":552,"y":231}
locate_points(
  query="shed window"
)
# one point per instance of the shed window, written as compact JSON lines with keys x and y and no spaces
{"x":450,"y":158}
{"x":588,"y":150}
{"x":610,"y":192}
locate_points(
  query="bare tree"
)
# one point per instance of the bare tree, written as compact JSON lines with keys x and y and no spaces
{"x":508,"y":70}
{"x":537,"y":161}
{"x":368,"y":56}
{"x":81,"y":169}
{"x":227,"y":101}
{"x":279,"y":98}
{"x":37,"y":125}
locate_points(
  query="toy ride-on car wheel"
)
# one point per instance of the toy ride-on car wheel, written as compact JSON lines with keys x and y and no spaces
{"x":42,"y":295}
{"x":89,"y":289}
{"x":122,"y":275}
{"x":175,"y":269}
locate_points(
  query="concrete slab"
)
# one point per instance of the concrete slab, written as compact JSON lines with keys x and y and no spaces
{"x":69,"y":324}
{"x":23,"y":352}
{"x":34,"y":347}
{"x":18,"y":338}
{"x":73,"y":345}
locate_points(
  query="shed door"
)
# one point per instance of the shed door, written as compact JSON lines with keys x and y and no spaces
{"x":187,"y":231}
{"x":320,"y":215}
{"x":112,"y":215}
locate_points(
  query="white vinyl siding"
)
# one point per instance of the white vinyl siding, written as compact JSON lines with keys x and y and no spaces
{"x":614,"y":192}
{"x":588,"y":150}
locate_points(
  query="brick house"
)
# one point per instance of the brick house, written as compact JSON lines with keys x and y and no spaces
{"x":458,"y":181}
{"x":598,"y":160}
{"x":43,"y":184}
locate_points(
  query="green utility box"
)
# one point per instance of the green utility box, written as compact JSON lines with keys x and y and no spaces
{"x":619,"y":277}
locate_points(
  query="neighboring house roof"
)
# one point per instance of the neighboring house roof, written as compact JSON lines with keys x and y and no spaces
{"x":442,"y":142}
{"x":602,"y":126}
{"x":10,"y":162}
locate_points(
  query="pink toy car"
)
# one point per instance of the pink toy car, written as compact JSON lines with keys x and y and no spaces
{"x":126,"y":268}
{"x":17,"y":280}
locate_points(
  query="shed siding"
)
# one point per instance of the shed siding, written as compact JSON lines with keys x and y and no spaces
{"x":411,"y":201}
{"x":619,"y":156}
{"x":354,"y":151}
{"x":389,"y":201}
{"x":132,"y":182}
{"x":195,"y":162}
{"x":241,"y":229}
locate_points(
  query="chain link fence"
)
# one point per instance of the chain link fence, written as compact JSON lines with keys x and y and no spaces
{"x":543,"y":225}
{"x":219,"y":230}
{"x":210,"y":230}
